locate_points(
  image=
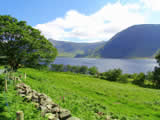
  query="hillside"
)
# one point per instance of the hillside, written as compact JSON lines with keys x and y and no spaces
{"x":89,"y":98}
{"x":72,"y":49}
{"x":135,"y":41}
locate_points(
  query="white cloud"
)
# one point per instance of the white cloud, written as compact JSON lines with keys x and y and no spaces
{"x":152,"y":4}
{"x":98,"y":26}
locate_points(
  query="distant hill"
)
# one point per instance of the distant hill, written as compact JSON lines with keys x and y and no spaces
{"x":135,"y":41}
{"x":72,"y":49}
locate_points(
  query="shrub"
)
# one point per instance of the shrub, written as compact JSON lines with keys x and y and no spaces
{"x":156,"y":77}
{"x":123,"y":78}
{"x":57,"y":68}
{"x":83,"y":70}
{"x":112,"y":75}
{"x":139,"y":79}
{"x":93,"y":70}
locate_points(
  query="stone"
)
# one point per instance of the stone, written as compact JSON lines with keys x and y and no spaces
{"x":20,"y":91}
{"x":49,"y":107}
{"x":34,"y":97}
{"x":28,"y":97}
{"x":55,"y":110}
{"x":73,"y":118}
{"x":50,"y":116}
{"x":65,"y":114}
{"x":41,"y":101}
{"x":43,"y":110}
{"x":108,"y":117}
{"x":49,"y":101}
{"x":22,"y":95}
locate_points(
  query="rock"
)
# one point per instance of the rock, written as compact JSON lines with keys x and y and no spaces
{"x":55,"y":110}
{"x":22,"y":95}
{"x":34,"y":97}
{"x":65,"y":114}
{"x":108,"y":117}
{"x":50,"y":116}
{"x":28,"y":90}
{"x":49,"y":101}
{"x":18,"y":86}
{"x":28,"y":97}
{"x":43,"y":110}
{"x":20,"y":91}
{"x":73,"y":118}
{"x":49,"y":107}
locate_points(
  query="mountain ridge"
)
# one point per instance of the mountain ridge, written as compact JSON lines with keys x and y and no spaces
{"x":73,"y":49}
{"x":135,"y":41}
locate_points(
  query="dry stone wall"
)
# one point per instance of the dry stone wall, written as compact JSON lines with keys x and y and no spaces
{"x":48,"y":108}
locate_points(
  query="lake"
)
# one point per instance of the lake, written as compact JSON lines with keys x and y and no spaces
{"x":127,"y":65}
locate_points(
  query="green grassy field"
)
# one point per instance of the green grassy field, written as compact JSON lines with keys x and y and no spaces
{"x":86,"y":96}
{"x":11,"y":102}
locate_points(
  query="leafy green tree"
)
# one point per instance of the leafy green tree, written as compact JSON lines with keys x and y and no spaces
{"x":83,"y":70}
{"x":123,"y":78}
{"x":139,"y":79}
{"x":69,"y":68}
{"x":156,"y":72}
{"x":93,"y":70}
{"x":23,"y":45}
{"x":75,"y":69}
{"x":156,"y":77}
{"x":113,"y":75}
{"x":57,"y":67}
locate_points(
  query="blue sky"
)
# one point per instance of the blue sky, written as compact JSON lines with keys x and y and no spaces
{"x":82,"y":20}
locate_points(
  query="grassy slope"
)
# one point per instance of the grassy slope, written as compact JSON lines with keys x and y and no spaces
{"x":85,"y":95}
{"x":10,"y":103}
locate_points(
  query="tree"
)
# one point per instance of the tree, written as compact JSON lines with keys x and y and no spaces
{"x":113,"y":75}
{"x":93,"y":70}
{"x":23,"y":45}
{"x":156,"y":72}
{"x":139,"y":79}
{"x":83,"y":70}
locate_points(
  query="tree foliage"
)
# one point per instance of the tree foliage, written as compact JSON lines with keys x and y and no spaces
{"x":112,"y":75}
{"x":93,"y":70}
{"x":23,"y":44}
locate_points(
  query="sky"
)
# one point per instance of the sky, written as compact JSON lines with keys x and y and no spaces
{"x":82,"y":20}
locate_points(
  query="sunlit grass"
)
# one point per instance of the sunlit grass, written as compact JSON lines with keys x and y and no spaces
{"x":85,"y":96}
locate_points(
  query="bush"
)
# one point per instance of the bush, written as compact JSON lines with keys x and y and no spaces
{"x":93,"y":70}
{"x":83,"y":70}
{"x":123,"y":78}
{"x":149,"y":76}
{"x":57,"y":68}
{"x":139,"y":79}
{"x":113,"y":75}
{"x":156,"y":77}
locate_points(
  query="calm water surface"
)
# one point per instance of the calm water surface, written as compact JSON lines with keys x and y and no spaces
{"x":127,"y":65}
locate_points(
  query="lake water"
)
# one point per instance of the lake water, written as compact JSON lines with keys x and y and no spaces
{"x":127,"y":65}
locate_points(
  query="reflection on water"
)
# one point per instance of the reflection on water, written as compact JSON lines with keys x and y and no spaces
{"x":127,"y":65}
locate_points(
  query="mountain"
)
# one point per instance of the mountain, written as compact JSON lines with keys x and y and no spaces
{"x":72,"y":49}
{"x":135,"y":41}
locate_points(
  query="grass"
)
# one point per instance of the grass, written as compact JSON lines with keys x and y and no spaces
{"x":10,"y":103}
{"x":86,"y":96}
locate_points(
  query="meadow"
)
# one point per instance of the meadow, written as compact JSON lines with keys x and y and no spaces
{"x":93,"y":99}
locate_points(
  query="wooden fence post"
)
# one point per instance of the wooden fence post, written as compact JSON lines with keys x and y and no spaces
{"x":25,"y":76}
{"x":20,"y":115}
{"x":6,"y":85}
{"x":14,"y":81}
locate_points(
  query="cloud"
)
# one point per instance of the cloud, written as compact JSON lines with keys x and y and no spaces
{"x":151,"y":4}
{"x":101,"y":25}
